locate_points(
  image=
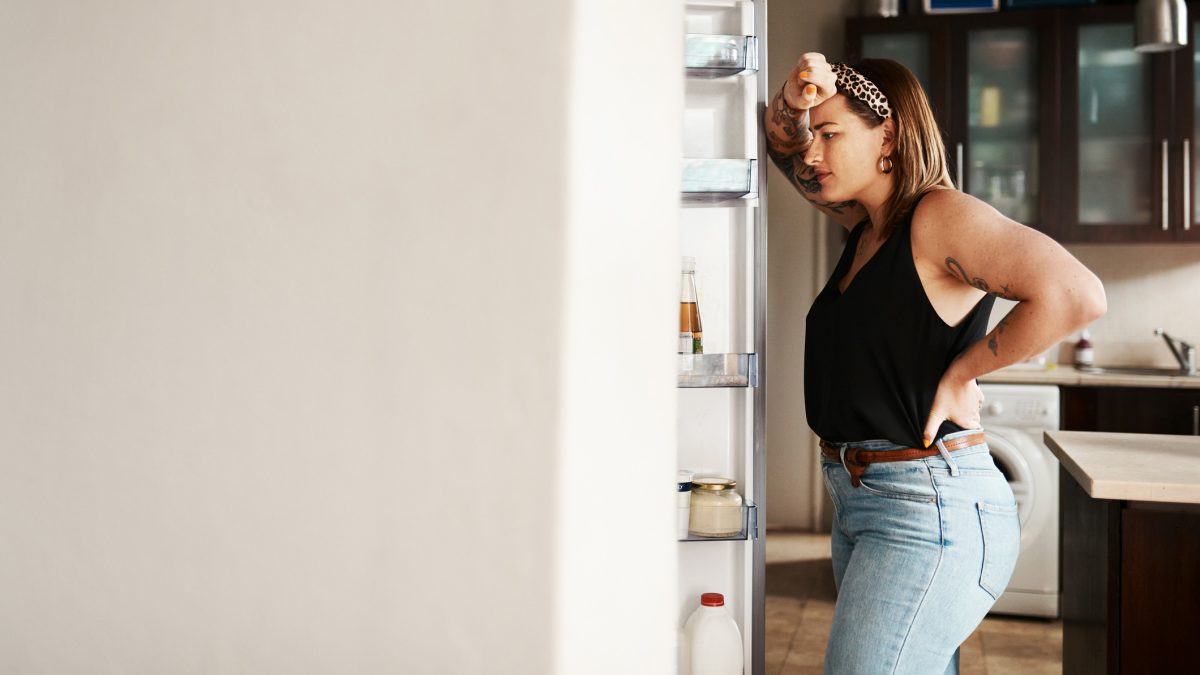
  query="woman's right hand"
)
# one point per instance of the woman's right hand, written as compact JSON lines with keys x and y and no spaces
{"x":810,"y":83}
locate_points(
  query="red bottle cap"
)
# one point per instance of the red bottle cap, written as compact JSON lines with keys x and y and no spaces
{"x":712,"y":600}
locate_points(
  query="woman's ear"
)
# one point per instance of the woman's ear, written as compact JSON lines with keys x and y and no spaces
{"x":889,"y":137}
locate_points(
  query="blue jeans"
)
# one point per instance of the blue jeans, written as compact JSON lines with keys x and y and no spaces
{"x":921,"y":551}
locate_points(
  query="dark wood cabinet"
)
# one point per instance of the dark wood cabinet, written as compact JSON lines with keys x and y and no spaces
{"x":1130,"y":571}
{"x":1131,"y":410}
{"x":1053,"y":118}
{"x":1127,"y":133}
{"x":1160,"y":589}
{"x":1130,"y":578}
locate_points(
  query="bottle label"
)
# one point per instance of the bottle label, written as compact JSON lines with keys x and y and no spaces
{"x":686,"y":345}
{"x":1083,"y":356}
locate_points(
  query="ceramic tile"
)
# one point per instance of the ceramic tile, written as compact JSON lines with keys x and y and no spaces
{"x":820,"y":609}
{"x":971,"y":656}
{"x":789,"y":669}
{"x":774,"y":658}
{"x":810,"y":642}
{"x":783,"y":615}
{"x":812,"y":635}
{"x":1041,"y":647}
{"x":1003,"y":665}
{"x":805,"y":657}
{"x":783,"y":607}
{"x":779,"y":636}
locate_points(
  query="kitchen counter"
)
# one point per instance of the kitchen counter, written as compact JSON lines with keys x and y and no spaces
{"x":1067,"y":375}
{"x":1129,"y":547}
{"x":1142,"y":467}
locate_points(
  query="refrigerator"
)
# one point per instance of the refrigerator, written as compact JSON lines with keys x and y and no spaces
{"x":722,"y":393}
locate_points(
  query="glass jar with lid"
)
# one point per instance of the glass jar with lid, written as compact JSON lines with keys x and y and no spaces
{"x":716,"y":508}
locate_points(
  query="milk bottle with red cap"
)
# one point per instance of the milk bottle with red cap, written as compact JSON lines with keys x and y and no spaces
{"x":712,"y":643}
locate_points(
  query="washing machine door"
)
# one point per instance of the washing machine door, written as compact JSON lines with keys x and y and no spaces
{"x":1010,"y":450}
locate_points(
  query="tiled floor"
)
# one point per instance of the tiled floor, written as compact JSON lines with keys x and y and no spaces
{"x":800,"y":599}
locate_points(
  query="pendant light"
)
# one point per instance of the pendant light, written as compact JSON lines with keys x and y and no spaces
{"x":1161,"y":25}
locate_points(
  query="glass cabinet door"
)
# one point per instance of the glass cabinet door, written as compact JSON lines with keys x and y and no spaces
{"x":918,"y":51}
{"x":1002,"y":127}
{"x":911,"y":49}
{"x":1116,"y":152}
{"x":1123,"y":143}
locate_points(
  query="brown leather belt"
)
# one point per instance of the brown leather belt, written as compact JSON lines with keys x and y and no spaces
{"x":858,"y":459}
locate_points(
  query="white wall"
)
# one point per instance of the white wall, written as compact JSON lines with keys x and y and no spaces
{"x":320,"y":328}
{"x":1148,"y":287}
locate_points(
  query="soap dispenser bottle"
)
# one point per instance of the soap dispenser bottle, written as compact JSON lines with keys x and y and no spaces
{"x":1084,"y":354}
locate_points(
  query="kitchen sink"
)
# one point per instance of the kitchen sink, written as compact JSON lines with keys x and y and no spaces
{"x":1133,"y":370}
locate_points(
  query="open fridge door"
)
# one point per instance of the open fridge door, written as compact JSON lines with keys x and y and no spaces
{"x":722,"y":404}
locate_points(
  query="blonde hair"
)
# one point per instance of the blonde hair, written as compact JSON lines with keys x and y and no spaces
{"x":918,"y":152}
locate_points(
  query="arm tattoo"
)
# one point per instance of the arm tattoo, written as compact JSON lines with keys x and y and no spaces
{"x":804,"y":178}
{"x":978,"y":282}
{"x":788,"y":138}
{"x":788,"y":132}
{"x":993,"y":342}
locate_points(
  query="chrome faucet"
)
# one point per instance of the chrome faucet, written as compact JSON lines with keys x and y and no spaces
{"x":1184,"y":353}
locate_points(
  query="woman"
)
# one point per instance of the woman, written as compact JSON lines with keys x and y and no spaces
{"x":926,"y":532}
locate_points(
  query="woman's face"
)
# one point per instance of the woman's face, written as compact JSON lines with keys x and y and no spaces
{"x":845,"y":151}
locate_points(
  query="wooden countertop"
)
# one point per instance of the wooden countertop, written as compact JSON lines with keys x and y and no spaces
{"x":1142,"y":467}
{"x":1067,"y":375}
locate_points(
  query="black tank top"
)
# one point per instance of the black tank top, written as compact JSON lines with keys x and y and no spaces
{"x":874,"y":355}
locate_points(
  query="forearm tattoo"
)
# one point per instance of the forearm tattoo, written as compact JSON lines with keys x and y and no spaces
{"x":788,"y":132}
{"x":788,"y":138}
{"x":804,"y":178}
{"x":978,"y":282}
{"x":994,"y":340}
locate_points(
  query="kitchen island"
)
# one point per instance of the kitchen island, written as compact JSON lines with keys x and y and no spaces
{"x":1130,"y":551}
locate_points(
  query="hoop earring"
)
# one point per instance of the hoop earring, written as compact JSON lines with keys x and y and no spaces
{"x":885,"y":168}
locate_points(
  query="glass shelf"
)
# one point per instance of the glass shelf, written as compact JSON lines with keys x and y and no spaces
{"x":718,"y":180}
{"x":718,"y":370}
{"x":720,"y":55}
{"x":749,"y":527}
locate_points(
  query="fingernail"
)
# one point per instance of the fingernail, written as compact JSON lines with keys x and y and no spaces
{"x":810,"y":90}
{"x":804,"y":73}
{"x":925,"y":440}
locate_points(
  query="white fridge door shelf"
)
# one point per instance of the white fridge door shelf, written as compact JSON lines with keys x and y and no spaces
{"x":715,"y":180}
{"x":720,"y":55}
{"x":749,"y":527}
{"x":718,"y":370}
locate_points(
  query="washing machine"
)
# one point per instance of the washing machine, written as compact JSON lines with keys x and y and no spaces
{"x":1014,"y":417}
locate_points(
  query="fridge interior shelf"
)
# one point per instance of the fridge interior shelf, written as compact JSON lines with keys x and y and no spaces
{"x":715,"y":180}
{"x":749,"y":527}
{"x":718,"y":370}
{"x":720,"y":55}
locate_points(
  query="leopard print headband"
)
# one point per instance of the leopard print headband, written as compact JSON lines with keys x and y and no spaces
{"x":852,"y":82}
